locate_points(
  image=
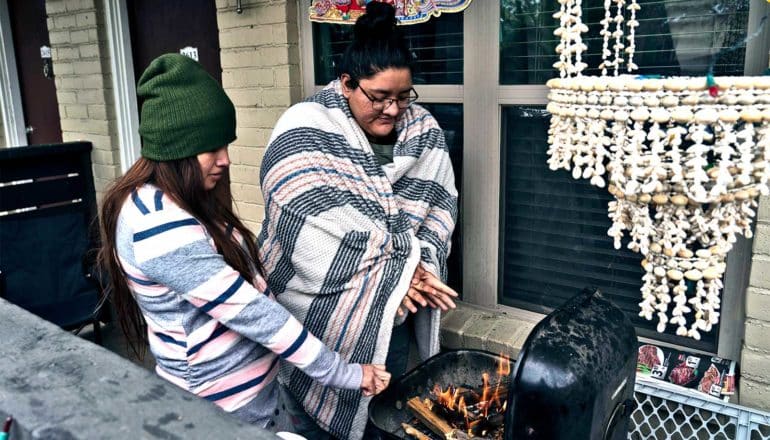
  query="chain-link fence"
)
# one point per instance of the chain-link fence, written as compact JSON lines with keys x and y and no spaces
{"x":667,"y":412}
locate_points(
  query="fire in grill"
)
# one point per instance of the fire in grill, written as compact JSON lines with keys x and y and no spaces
{"x":459,"y":411}
{"x":574,"y":378}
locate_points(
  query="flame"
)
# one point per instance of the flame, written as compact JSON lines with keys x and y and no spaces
{"x":446,"y":398}
{"x":485,"y":393}
{"x":504,"y":367}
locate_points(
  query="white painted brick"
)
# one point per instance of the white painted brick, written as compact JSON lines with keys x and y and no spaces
{"x":64,"y":22}
{"x":87,"y":67}
{"x":258,"y":118}
{"x":93,"y":35}
{"x":69,"y":82}
{"x":106,"y":171}
{"x":102,"y":142}
{"x":55,"y":7}
{"x":287,"y":76}
{"x":242,"y":155}
{"x":252,"y":137}
{"x":285,"y":33}
{"x":94,"y":81}
{"x":254,"y":227}
{"x":78,"y":37}
{"x":763,"y":213}
{"x":244,"y":37}
{"x":58,"y":37}
{"x":755,"y":365}
{"x":86,"y":19}
{"x":89,"y":50}
{"x":90,"y":96}
{"x":757,"y":336}
{"x":754,"y":394}
{"x":247,"y":57}
{"x":66,"y":53}
{"x":248,"y":193}
{"x":273,"y":56}
{"x":453,"y":323}
{"x":760,"y":272}
{"x":278,"y":97}
{"x":247,"y":78}
{"x":66,"y":97}
{"x":80,"y":5}
{"x":97,"y":111}
{"x":244,"y":174}
{"x":250,"y":211}
{"x":245,"y":97}
{"x":111,"y":157}
{"x":76,"y":111}
{"x":758,"y":304}
{"x":761,"y":242}
{"x":62,"y":68}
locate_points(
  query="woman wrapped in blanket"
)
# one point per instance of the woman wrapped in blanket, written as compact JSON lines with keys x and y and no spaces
{"x":183,"y":268}
{"x":360,"y":208}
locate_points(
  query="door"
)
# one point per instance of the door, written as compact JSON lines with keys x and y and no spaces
{"x":170,"y":26}
{"x":38,"y":91}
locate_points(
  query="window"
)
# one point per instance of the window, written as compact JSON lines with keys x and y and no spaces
{"x":554,"y":228}
{"x":674,"y":37}
{"x":437,"y":46}
{"x":450,"y":118}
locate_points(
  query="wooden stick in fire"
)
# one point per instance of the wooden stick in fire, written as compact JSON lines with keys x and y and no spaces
{"x":430,"y":419}
{"x":411,"y":430}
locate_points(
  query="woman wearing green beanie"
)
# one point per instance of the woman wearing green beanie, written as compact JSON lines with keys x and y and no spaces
{"x":183,"y":268}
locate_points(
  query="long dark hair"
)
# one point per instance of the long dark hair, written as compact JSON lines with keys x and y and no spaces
{"x":182,"y":181}
{"x":378,"y":44}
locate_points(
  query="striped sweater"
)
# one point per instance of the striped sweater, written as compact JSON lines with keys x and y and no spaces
{"x":212,"y":332}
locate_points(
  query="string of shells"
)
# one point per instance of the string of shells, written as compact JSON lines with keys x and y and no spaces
{"x":685,"y":165}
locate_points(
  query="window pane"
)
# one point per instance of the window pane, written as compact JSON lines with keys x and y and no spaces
{"x":554,"y":233}
{"x":450,"y":118}
{"x":674,"y":37}
{"x":436,"y":44}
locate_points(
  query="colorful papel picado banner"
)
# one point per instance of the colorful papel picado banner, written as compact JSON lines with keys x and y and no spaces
{"x":407,"y":11}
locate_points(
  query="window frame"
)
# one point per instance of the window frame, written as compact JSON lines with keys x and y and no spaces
{"x":483,"y":98}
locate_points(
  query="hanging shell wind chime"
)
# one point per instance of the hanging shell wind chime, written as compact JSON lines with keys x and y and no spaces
{"x":685,"y":158}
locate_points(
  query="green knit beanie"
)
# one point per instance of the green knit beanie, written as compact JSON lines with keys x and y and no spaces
{"x":185,"y":111}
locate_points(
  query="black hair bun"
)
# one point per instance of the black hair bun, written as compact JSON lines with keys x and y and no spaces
{"x":378,"y":23}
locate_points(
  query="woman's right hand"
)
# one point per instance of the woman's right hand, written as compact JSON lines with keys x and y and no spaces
{"x":375,"y":379}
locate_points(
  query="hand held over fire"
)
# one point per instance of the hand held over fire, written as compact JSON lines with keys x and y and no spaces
{"x":427,"y":290}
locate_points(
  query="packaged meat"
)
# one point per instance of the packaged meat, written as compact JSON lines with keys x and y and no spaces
{"x":708,"y":374}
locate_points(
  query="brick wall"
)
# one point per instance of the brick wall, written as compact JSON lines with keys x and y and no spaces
{"x":755,"y":356}
{"x":260,"y":72}
{"x":83,"y":81}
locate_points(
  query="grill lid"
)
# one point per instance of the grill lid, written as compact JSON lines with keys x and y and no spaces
{"x":574,"y":377}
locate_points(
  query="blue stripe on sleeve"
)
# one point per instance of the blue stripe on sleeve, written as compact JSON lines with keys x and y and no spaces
{"x":244,"y":386}
{"x":138,"y":202}
{"x":296,"y":345}
{"x":140,"y":281}
{"x":220,"y":330}
{"x":139,"y":236}
{"x":158,"y":200}
{"x":223,"y":297}
{"x":168,"y":339}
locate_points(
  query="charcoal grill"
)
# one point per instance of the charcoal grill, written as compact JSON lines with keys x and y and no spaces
{"x":574,"y":378}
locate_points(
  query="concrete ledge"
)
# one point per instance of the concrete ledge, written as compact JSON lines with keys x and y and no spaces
{"x":56,"y":385}
{"x":493,"y":330}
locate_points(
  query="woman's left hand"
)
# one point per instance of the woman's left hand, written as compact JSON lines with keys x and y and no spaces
{"x":427,"y":290}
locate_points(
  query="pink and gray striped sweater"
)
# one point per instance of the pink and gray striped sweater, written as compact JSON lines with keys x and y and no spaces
{"x":212,"y":332}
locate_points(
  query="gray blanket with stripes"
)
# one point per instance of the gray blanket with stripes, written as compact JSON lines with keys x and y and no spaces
{"x":342,"y":237}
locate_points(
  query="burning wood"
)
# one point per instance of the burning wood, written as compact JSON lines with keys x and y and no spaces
{"x":459,"y":412}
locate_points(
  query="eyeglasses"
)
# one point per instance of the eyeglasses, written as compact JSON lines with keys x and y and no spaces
{"x":380,"y":104}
